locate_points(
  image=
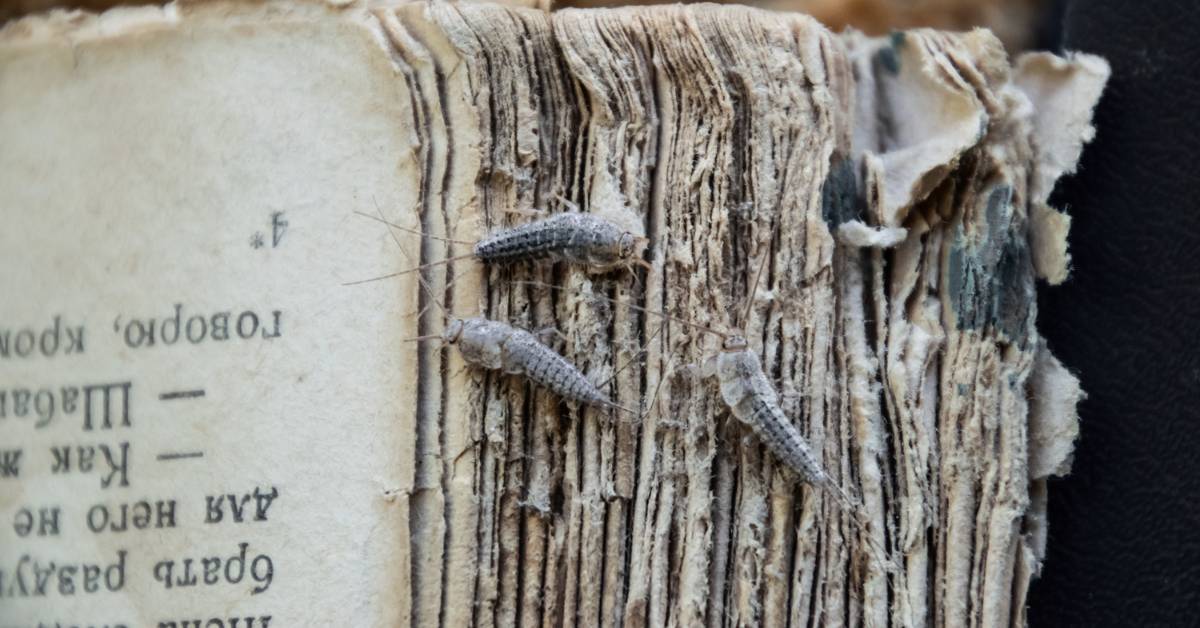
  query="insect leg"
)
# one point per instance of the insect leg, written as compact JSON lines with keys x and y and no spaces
{"x":529,"y":213}
{"x":547,"y":333}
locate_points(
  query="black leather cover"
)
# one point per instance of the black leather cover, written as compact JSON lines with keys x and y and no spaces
{"x":1124,"y":544}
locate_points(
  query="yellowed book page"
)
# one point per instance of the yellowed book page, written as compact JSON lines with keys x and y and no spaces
{"x":199,"y":424}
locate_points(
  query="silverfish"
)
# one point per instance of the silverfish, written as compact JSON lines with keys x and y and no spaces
{"x":752,"y":399}
{"x":495,"y":345}
{"x":574,"y":237}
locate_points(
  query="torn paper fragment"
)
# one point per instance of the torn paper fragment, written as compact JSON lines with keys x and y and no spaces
{"x":1053,"y":420}
{"x":1048,"y":231}
{"x":858,"y":234}
{"x":924,"y":116}
{"x":1063,"y":92}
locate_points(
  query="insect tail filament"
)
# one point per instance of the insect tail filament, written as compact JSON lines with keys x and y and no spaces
{"x":636,"y":308}
{"x":854,"y":511}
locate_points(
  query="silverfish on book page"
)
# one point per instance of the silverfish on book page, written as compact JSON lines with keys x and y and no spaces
{"x":583,"y":239}
{"x":495,"y":345}
{"x":752,"y":399}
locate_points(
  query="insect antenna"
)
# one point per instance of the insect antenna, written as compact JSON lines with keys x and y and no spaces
{"x":744,"y":318}
{"x":421,"y":311}
{"x":641,"y":416}
{"x":618,"y":407}
{"x":421,"y":338}
{"x":379,"y":217}
{"x":420,"y":277}
{"x":414,"y":269}
{"x":566,"y":202}
{"x":409,"y":230}
{"x":641,"y":353}
{"x":654,"y":399}
{"x":608,"y":380}
{"x":657,"y":389}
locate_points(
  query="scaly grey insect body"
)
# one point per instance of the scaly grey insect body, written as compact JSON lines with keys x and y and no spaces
{"x":573,"y":237}
{"x":494,"y":345}
{"x":499,"y":346}
{"x":753,"y":401}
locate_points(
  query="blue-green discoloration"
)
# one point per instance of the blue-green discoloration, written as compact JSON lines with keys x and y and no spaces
{"x":839,"y":194}
{"x":1013,"y":299}
{"x":990,"y":272}
{"x":889,"y":56}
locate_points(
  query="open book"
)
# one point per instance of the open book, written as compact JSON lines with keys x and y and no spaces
{"x":201,"y":425}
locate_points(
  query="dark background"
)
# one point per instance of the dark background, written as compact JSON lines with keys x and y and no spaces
{"x":1124,"y":545}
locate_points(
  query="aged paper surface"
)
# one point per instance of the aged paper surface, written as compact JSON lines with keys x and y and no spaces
{"x":210,"y":159}
{"x":903,"y":347}
{"x":177,"y":193}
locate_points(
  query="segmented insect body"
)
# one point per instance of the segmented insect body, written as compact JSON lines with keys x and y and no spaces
{"x":577,"y":238}
{"x":574,"y":237}
{"x":498,"y":346}
{"x":753,"y":400}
